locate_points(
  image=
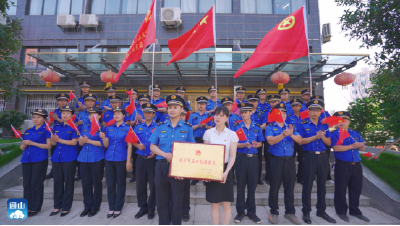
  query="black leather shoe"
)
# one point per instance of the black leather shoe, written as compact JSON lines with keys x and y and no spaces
{"x":32,"y":213}
{"x":110,"y":214}
{"x":239,"y":217}
{"x":141,"y":213}
{"x":64,"y":214}
{"x":194,"y":182}
{"x":307,"y":218}
{"x":326,"y":217}
{"x":77,"y":178}
{"x":93,"y":212}
{"x":186,"y":217}
{"x":50,"y":175}
{"x":116,"y":215}
{"x":54,"y":213}
{"x":84,"y":213}
{"x":260,"y":183}
{"x":133,"y":179}
{"x":254,"y":218}
{"x":361,"y":217}
{"x":151,"y":215}
{"x":344,"y":217}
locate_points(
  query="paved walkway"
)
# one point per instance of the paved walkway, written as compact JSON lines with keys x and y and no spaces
{"x":199,"y":215}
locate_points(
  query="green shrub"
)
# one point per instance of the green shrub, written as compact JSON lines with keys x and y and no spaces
{"x":12,"y":117}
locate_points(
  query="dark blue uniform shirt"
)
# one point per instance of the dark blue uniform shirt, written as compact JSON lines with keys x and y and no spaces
{"x":252,"y":133}
{"x":155,"y":102}
{"x":352,"y":155}
{"x":31,"y":152}
{"x":259,"y":117}
{"x":90,"y":152}
{"x":64,"y":152}
{"x":84,"y":116}
{"x":195,"y":119}
{"x":117,"y":147}
{"x":303,"y":107}
{"x":238,"y":101}
{"x":232,"y":120}
{"x":308,"y":129}
{"x":83,"y":102}
{"x":285,"y":147}
{"x":264,"y":106}
{"x":109,"y":115}
{"x":164,"y":135}
{"x":58,"y":113}
{"x":211,"y":104}
{"x":144,"y":132}
{"x":293,"y":120}
{"x":289,"y":110}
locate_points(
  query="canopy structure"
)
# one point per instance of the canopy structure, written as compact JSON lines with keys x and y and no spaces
{"x":197,"y":69}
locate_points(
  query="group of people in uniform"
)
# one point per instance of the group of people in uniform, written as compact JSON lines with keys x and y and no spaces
{"x":281,"y":143}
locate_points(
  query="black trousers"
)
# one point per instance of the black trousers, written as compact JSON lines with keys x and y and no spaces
{"x":78,"y":163}
{"x":315,"y":165}
{"x":260,"y":151}
{"x":53,"y":148}
{"x":169,"y":195}
{"x":134,"y":157}
{"x":328,"y":151}
{"x":246,"y":174}
{"x":116,"y":184}
{"x":92,"y":175}
{"x":282,"y":170}
{"x":351,"y":177}
{"x":267,"y":158}
{"x":186,"y":197}
{"x":34,"y":174}
{"x":64,"y":184}
{"x":300,"y":158}
{"x":145,"y":173}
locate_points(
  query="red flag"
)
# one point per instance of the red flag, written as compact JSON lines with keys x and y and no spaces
{"x":51,"y":118}
{"x":129,"y":92}
{"x":206,"y":120}
{"x":368,"y":154}
{"x":131,"y":137}
{"x":285,"y":42}
{"x":241,"y":135}
{"x":343,"y":134}
{"x":72,"y":124}
{"x":111,"y":122}
{"x":145,"y":36}
{"x":73,"y":117}
{"x":17,"y":133}
{"x":201,"y":36}
{"x":95,"y":126}
{"x":71,"y":96}
{"x":162,"y":104}
{"x":275,"y":115}
{"x":235,"y":109}
{"x":304,"y":114}
{"x":333,"y":120}
{"x":131,"y":107}
{"x":48,"y":128}
{"x":238,"y":121}
{"x":188,"y":115}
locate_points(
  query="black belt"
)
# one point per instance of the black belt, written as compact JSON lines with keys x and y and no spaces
{"x":350,"y":163}
{"x":247,"y":155}
{"x":283,"y":157}
{"x":145,"y":157}
{"x":163,"y":160}
{"x":315,"y":152}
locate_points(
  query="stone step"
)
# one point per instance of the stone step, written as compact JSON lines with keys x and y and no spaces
{"x":199,"y":187}
{"x":196,"y":198}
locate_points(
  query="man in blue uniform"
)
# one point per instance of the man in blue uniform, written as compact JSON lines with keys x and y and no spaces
{"x":85,"y":88}
{"x":181,"y":92}
{"x":246,"y":164}
{"x":213,"y":102}
{"x":195,"y":119}
{"x":263,"y":104}
{"x":258,"y":116}
{"x":167,"y":188}
{"x":295,"y":120}
{"x":233,"y":118}
{"x":138,"y":114}
{"x":106,"y":103}
{"x":284,"y":93}
{"x":316,"y":162}
{"x":115,"y":101}
{"x":145,"y":164}
{"x":240,"y":94}
{"x":134,"y":98}
{"x":305,"y":94}
{"x":283,"y":167}
{"x":156,"y":100}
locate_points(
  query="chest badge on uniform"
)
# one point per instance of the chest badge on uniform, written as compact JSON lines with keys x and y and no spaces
{"x":163,"y":131}
{"x":183,"y":131}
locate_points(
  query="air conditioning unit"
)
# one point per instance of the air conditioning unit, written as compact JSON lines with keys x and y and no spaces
{"x":66,"y":21}
{"x":171,"y":17}
{"x":326,"y":33}
{"x":3,"y":20}
{"x":88,"y":20}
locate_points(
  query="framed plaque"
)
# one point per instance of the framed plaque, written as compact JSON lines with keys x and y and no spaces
{"x":197,"y":161}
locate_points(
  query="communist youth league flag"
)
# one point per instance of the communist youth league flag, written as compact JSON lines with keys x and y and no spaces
{"x":285,"y":42}
{"x":145,"y":36}
{"x":201,"y":36}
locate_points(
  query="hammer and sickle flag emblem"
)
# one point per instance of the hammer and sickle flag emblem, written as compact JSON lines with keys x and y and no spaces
{"x":287,"y":23}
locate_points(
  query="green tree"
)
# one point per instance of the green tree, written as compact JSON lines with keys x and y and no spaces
{"x":13,"y":74}
{"x":12,"y":117}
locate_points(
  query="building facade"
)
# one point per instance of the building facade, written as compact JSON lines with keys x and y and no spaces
{"x":359,"y":88}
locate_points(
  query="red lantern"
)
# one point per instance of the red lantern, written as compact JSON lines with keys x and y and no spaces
{"x":344,"y":79}
{"x":108,"y":77}
{"x":280,"y":78}
{"x":49,"y":77}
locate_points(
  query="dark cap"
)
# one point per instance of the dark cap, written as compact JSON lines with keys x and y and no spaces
{"x":175,"y":100}
{"x":157,"y":87}
{"x":274,"y":97}
{"x":84,"y":84}
{"x":343,"y":114}
{"x":62,"y":96}
{"x":68,"y":108}
{"x":110,"y":89}
{"x":114,"y":99}
{"x":201,"y":99}
{"x":284,"y":90}
{"x":281,"y":107}
{"x":89,"y":96}
{"x":185,"y":111}
{"x":40,"y":112}
{"x":213,"y":88}
{"x":226,"y":100}
{"x":180,"y":89}
{"x":313,"y":104}
{"x":95,"y":110}
{"x":133,"y":90}
{"x":144,"y":97}
{"x":148,"y":107}
{"x":253,"y":97}
{"x":119,"y":108}
{"x":305,"y":91}
{"x":295,"y":102}
{"x":240,"y":89}
{"x":317,"y":97}
{"x":262,"y":90}
{"x":245,"y":107}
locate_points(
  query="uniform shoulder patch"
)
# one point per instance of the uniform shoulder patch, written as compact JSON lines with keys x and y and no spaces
{"x":188,"y":124}
{"x":235,"y":124}
{"x":289,"y":115}
{"x":257,"y":124}
{"x":304,"y":122}
{"x":160,"y":123}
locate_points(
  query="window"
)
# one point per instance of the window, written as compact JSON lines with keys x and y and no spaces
{"x":270,"y":6}
{"x":354,"y":84}
{"x":31,"y":63}
{"x":200,"y":6}
{"x":362,"y":75}
{"x":120,"y":6}
{"x":355,"y":92}
{"x":52,"y":7}
{"x":13,"y":8}
{"x":364,"y":90}
{"x":363,"y":83}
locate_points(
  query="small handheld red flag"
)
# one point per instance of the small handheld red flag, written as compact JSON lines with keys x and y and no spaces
{"x":206,"y":120}
{"x":111,"y":122}
{"x":71,"y":96}
{"x":131,"y":107}
{"x":333,"y":121}
{"x":188,"y":115}
{"x":275,"y":115}
{"x":162,"y":104}
{"x":73,"y":117}
{"x":95,"y":126}
{"x":17,"y":133}
{"x":73,"y":126}
{"x":238,"y":121}
{"x":51,"y":118}
{"x":48,"y":128}
{"x":304,"y":114}
{"x":343,"y":134}
{"x":131,"y":137}
{"x":235,"y":109}
{"x":368,"y":154}
{"x":241,"y":135}
{"x":129,"y":92}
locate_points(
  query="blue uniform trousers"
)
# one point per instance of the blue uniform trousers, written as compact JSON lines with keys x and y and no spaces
{"x":116,"y":184}
{"x":92,"y":175}
{"x":34,"y":174}
{"x":64,"y":184}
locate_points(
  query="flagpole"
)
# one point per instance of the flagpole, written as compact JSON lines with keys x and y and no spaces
{"x":154,"y":47}
{"x":308,"y":44}
{"x":215,"y":57}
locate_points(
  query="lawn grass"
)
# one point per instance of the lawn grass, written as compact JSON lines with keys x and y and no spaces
{"x":13,"y":151}
{"x":6,"y":141}
{"x":387,"y":168}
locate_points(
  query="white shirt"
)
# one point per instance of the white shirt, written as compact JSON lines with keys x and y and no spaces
{"x":226,"y":137}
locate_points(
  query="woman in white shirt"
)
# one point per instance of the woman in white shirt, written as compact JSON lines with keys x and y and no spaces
{"x":222,"y":192}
